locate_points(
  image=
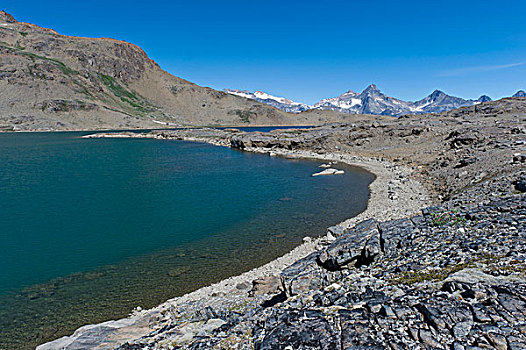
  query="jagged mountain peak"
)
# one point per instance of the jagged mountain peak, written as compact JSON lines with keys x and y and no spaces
{"x":520,"y":93}
{"x":437,"y":93}
{"x":350,"y":92}
{"x":484,"y":98}
{"x":371,"y":88}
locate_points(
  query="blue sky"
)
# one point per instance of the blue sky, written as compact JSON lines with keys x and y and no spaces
{"x":309,"y":50}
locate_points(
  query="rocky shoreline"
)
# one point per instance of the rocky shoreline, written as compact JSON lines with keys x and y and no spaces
{"x":378,"y":204}
{"x":403,"y":274}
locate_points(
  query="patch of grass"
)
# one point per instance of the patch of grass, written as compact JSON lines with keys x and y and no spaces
{"x":448,"y":217}
{"x":490,"y":260}
{"x":411,"y":277}
{"x":65,"y":69}
{"x":24,"y":34}
{"x":116,"y":88}
{"x":139,"y":107}
{"x":238,"y":307}
{"x":81,"y":88}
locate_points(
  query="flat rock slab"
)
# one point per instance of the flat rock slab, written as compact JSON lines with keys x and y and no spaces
{"x":329,"y":171}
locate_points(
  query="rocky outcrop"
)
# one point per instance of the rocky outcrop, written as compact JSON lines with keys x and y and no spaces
{"x":424,"y":281}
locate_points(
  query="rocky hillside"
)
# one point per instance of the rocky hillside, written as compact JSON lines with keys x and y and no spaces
{"x":451,"y":276}
{"x":56,"y":82}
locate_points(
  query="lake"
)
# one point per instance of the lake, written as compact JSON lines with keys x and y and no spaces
{"x":92,"y":228}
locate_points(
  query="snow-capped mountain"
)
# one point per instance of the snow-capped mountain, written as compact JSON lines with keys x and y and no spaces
{"x":520,"y":93}
{"x":373,"y":101}
{"x":278,"y":102}
{"x":439,"y":101}
{"x":370,"y":101}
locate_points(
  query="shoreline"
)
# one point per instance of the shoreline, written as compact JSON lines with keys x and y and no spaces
{"x":161,"y":127}
{"x":376,"y":207}
{"x":393,"y":195}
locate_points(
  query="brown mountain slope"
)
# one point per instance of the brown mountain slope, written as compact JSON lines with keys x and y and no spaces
{"x":52,"y":81}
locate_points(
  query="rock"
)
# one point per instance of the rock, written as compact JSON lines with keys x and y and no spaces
{"x":329,"y":237}
{"x":520,"y":184}
{"x":299,"y":330}
{"x":337,"y":230}
{"x":462,"y":329}
{"x":266,"y":285}
{"x":427,"y":338}
{"x":497,"y":340}
{"x":236,"y":142}
{"x":329,"y":171}
{"x":465,"y":162}
{"x":243,"y":286}
{"x":301,"y":275}
{"x":358,"y":247}
{"x":213,"y":324}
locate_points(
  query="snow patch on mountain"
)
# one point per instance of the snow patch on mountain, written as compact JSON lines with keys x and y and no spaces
{"x":279,"y":102}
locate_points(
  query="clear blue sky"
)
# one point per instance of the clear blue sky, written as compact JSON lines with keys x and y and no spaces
{"x":309,"y":50}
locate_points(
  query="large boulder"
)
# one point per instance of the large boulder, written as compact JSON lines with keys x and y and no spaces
{"x":356,"y":248}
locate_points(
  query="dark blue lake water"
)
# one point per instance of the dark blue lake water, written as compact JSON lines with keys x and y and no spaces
{"x":91,"y":228}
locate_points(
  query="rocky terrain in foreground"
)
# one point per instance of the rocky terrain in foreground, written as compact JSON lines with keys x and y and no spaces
{"x":450,"y":276}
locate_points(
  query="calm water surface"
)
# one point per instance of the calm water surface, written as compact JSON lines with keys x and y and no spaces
{"x":91,"y":228}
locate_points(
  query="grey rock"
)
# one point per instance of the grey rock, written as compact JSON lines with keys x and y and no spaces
{"x":266,"y":285}
{"x":357,"y":248}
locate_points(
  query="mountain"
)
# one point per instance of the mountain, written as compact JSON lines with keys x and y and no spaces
{"x":373,"y":101}
{"x":369,"y":101}
{"x":51,"y":81}
{"x":439,"y":101}
{"x":281,"y":103}
{"x":520,"y":93}
{"x":484,"y":98}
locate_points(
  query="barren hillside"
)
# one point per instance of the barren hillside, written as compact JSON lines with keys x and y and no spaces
{"x":50,"y":81}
